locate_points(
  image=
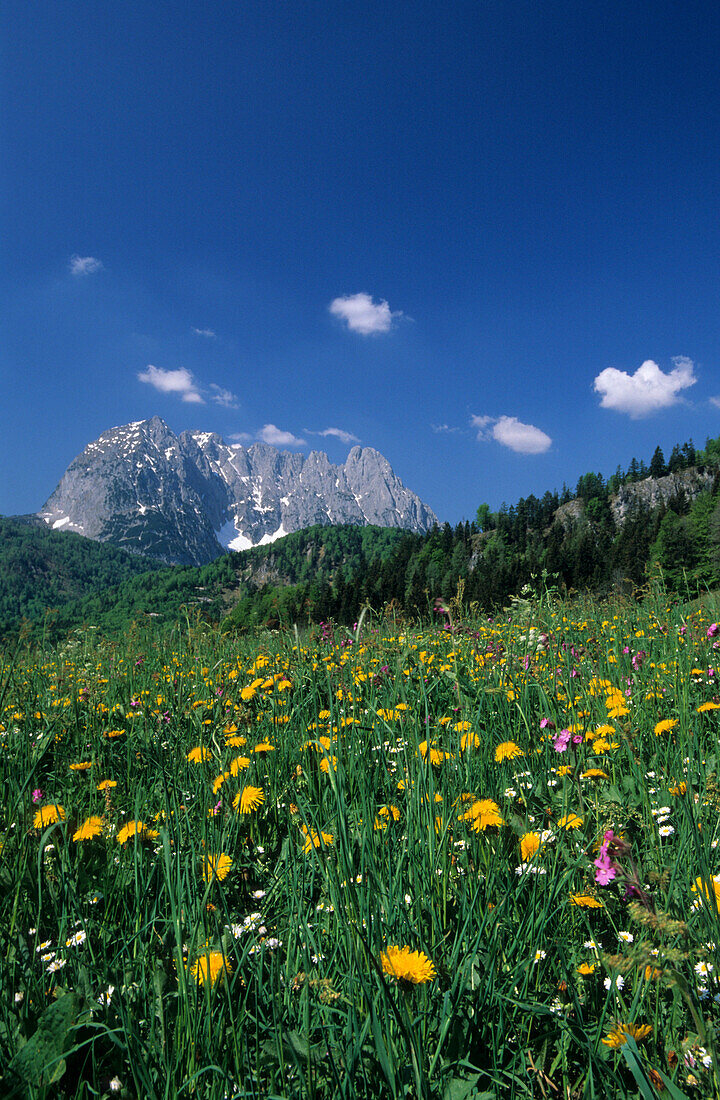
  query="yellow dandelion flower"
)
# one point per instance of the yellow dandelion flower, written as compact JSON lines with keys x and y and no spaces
{"x":570,"y":821}
{"x":469,"y":741}
{"x":198,"y":754}
{"x":83,"y":766}
{"x":704,"y":707}
{"x":594,"y":773}
{"x":586,"y":969}
{"x":530,"y":843}
{"x":432,"y":753}
{"x":209,"y":967}
{"x":236,"y":741}
{"x":106,"y":785}
{"x":482,"y":814}
{"x":48,"y":815}
{"x":407,"y":966}
{"x":385,"y":815}
{"x":600,"y":745}
{"x":508,"y":750}
{"x":219,"y":780}
{"x":617,"y":1036}
{"x":239,"y":764}
{"x":313,"y":839}
{"x":115,"y":733}
{"x":709,"y":891}
{"x":90,"y":828}
{"x":586,"y":901}
{"x":135,"y":828}
{"x":664,"y":727}
{"x":679,"y":788}
{"x":248,"y":799}
{"x":264,"y":746}
{"x":217,"y":866}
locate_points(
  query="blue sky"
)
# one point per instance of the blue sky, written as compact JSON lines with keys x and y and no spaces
{"x":480,"y":237}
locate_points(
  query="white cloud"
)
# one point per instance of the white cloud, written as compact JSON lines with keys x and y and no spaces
{"x":343,"y":436}
{"x":84,"y":265}
{"x":204,"y":332}
{"x":715,"y":401}
{"x":238,"y":438}
{"x":524,"y":439}
{"x":362,"y":314}
{"x":223,"y":397}
{"x":446,"y":427}
{"x":179,"y":381}
{"x":279,"y":438}
{"x":647,"y":390}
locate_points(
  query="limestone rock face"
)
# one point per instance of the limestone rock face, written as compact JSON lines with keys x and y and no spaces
{"x":654,"y":491}
{"x":186,"y":499}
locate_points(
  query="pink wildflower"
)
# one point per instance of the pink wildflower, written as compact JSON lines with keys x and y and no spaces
{"x":562,"y":741}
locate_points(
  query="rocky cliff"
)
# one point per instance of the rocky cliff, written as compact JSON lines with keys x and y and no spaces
{"x":187,"y":498}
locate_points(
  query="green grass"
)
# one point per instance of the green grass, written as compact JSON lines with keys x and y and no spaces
{"x":126,"y":968}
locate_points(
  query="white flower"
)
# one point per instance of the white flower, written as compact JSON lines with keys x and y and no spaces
{"x":592,"y":945}
{"x":115,"y":1084}
{"x":626,"y":937}
{"x":618,"y":982}
{"x":19,"y":997}
{"x":104,"y":998}
{"x":539,"y":954}
{"x":703,"y":968}
{"x":666,"y":830}
{"x":56,"y":964}
{"x":76,"y":939}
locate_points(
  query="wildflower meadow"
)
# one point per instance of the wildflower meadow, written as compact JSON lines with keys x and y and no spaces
{"x":473,"y":859}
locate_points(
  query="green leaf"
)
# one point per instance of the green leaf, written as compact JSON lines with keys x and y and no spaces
{"x":381,"y":1051}
{"x":460,"y":1088}
{"x":40,"y":1062}
{"x":301,"y":1049}
{"x":631,"y":1055}
{"x":674,"y":1091}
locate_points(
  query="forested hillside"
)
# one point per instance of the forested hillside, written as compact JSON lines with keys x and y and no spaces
{"x":41,"y":569}
{"x":603,"y":536}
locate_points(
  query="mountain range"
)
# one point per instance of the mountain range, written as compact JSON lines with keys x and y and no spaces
{"x":188,"y":498}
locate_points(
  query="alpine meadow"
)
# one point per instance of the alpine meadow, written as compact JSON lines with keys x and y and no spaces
{"x":474,"y":857}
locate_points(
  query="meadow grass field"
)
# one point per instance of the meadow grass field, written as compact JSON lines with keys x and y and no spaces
{"x":475,"y":859}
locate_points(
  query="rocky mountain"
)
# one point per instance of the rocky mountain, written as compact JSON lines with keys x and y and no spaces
{"x":187,"y":498}
{"x":652,"y":492}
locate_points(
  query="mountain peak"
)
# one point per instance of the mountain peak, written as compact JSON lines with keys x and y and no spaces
{"x":186,"y":498}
